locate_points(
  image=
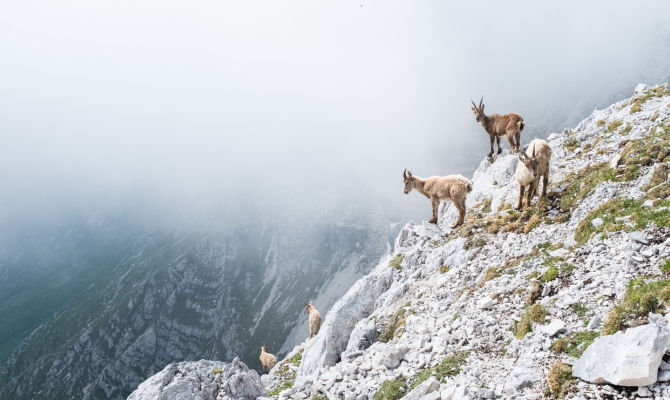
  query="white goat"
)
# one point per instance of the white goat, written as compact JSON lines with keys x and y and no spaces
{"x":533,"y":165}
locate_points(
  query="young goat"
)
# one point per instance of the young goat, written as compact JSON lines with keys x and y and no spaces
{"x":533,"y":165}
{"x":497,"y":126}
{"x":267,"y":360}
{"x":440,"y":188}
{"x":314,"y":319}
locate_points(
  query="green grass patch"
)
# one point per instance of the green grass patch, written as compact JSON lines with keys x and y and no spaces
{"x":642,"y":297}
{"x":396,"y":262}
{"x":571,"y":143}
{"x":444,"y":269}
{"x":449,"y":366}
{"x":580,"y":184}
{"x":665,"y":266}
{"x":579,"y":308}
{"x":395,"y":327}
{"x":392,"y":389}
{"x":626,"y":129}
{"x":217,"y":371}
{"x":535,"y":313}
{"x":613,"y":211}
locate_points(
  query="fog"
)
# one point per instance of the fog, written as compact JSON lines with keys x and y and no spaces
{"x":220,"y":105}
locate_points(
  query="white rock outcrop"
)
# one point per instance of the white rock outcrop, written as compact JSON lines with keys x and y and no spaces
{"x":359,"y":302}
{"x":628,"y":358}
{"x":195,"y":380}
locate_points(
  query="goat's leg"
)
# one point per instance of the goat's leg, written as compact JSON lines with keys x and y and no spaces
{"x":491,"y":152}
{"x":521,"y":190}
{"x":510,"y":139}
{"x":545,"y":182}
{"x":435,"y":203}
{"x":499,"y":148}
{"x":460,"y":205}
{"x":531,"y":191}
{"x":517,"y":139}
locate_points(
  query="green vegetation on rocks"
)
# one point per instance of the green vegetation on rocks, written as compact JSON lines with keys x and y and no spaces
{"x":642,"y":297}
{"x":449,"y":366}
{"x":395,"y":327}
{"x":535,"y":313}
{"x":392,"y":389}
{"x":396,"y":262}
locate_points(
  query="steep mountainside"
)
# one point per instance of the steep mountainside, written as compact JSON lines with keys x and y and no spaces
{"x":145,"y":298}
{"x":513,"y":304}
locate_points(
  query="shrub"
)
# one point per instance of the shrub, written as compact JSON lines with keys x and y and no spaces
{"x":665,"y":266}
{"x":559,"y":374}
{"x":396,"y":262}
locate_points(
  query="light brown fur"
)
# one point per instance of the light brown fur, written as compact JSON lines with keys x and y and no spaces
{"x":533,"y":165}
{"x":441,"y":188}
{"x":497,"y":126}
{"x":314,"y":319}
{"x":267,"y":360}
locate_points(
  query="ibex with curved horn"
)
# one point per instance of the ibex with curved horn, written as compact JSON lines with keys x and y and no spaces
{"x":533,"y":165}
{"x":314,"y":319}
{"x":497,"y":126}
{"x":440,"y":188}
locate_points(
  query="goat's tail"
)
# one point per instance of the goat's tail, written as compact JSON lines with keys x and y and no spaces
{"x":469,"y":186}
{"x":520,"y":124}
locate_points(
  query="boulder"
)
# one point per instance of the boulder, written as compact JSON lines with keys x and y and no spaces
{"x":524,"y":374}
{"x":424,"y":390}
{"x":197,"y":380}
{"x":389,"y":355}
{"x":363,"y":336}
{"x":628,"y":358}
{"x":553,"y":328}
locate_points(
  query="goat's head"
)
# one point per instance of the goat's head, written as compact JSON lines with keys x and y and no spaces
{"x":265,"y":349}
{"x":478,"y":109}
{"x":308,"y":307}
{"x":409,"y":179}
{"x":530,"y":162}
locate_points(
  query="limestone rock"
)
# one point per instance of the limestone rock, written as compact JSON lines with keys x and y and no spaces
{"x":196,"y":380}
{"x":625,"y":359}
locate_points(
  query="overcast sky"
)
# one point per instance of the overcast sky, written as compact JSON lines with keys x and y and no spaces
{"x":218,"y":102}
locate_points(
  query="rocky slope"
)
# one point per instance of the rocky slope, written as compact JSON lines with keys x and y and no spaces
{"x":513,"y":304}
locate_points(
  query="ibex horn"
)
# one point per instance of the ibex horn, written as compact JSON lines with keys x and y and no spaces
{"x":473,"y":103}
{"x":480,"y":102}
{"x":404,"y":174}
{"x":533,"y":151}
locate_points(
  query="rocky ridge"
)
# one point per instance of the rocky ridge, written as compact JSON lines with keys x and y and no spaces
{"x":513,"y":304}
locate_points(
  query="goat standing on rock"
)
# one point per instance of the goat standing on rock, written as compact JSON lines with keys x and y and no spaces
{"x":533,"y":165}
{"x":441,"y":188}
{"x":267,"y":360}
{"x":497,"y":125}
{"x":314,"y":320}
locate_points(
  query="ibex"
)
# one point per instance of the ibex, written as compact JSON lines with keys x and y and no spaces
{"x":314,"y":319}
{"x":267,"y":360}
{"x":497,"y":125}
{"x":533,"y":165}
{"x":440,"y":188}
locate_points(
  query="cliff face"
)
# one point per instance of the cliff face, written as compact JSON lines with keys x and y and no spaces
{"x":161,"y":297}
{"x":507,"y":303}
